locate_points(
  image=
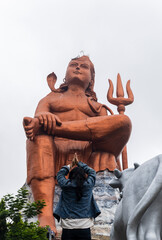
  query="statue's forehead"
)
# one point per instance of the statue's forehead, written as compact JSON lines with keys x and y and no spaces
{"x":80,"y":61}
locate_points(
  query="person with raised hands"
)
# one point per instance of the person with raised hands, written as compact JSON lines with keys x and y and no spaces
{"x":76,"y":207}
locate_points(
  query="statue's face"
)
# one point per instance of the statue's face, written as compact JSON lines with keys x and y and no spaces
{"x":78,"y":72}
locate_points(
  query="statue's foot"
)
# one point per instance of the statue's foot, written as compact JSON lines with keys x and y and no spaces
{"x":47,"y":221}
{"x":31,"y":127}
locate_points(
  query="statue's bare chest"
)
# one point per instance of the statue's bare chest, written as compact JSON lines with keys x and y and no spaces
{"x":74,"y":105}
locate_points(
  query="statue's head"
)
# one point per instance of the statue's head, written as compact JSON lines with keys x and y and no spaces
{"x":85,"y":61}
{"x":82,"y":69}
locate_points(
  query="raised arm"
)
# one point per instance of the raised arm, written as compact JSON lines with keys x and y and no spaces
{"x":62,"y":181}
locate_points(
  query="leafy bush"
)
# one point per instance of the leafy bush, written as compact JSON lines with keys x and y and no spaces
{"x":15,"y":213}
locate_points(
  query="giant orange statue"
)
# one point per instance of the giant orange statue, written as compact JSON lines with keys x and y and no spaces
{"x":70,"y":120}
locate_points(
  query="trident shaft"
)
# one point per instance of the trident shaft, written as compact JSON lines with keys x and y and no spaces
{"x":120,"y":102}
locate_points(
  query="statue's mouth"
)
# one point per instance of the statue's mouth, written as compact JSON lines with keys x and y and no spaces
{"x":77,"y":72}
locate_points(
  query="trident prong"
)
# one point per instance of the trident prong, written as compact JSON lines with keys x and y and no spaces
{"x":120,"y":102}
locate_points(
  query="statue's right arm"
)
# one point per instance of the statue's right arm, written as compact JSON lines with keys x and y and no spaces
{"x":47,"y":119}
{"x":43,"y":119}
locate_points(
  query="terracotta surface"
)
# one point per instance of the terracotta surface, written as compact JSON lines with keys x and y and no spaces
{"x":69,"y":120}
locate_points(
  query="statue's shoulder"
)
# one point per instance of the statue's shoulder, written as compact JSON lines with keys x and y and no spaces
{"x":94,"y":105}
{"x":50,"y":97}
{"x":53,"y":95}
{"x":99,"y":108}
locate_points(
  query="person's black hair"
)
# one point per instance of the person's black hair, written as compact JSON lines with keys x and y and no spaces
{"x":79,"y":175}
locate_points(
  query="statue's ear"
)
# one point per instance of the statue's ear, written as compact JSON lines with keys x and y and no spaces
{"x":51,"y":80}
{"x":136,"y":165}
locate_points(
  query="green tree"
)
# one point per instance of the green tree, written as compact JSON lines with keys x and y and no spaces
{"x":3,"y":216}
{"x":15,"y":213}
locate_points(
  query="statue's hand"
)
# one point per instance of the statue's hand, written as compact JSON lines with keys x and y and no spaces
{"x":49,"y":121}
{"x":31,"y":127}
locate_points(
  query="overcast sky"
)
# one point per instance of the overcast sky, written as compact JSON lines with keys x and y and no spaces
{"x":41,"y":36}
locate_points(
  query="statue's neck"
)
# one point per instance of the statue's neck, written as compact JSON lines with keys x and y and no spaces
{"x":75,"y":89}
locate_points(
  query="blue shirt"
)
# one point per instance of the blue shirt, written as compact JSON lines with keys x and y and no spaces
{"x":68,"y":206}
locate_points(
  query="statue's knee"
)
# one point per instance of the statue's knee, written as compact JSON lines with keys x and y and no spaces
{"x":41,"y":141}
{"x":125,"y":123}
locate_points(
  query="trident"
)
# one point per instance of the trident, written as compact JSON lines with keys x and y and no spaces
{"x":120,"y":102}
